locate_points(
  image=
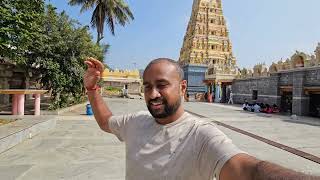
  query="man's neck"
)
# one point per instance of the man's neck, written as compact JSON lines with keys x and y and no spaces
{"x":172,"y":118}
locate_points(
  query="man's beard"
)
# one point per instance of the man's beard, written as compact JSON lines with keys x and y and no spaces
{"x":168,"y":109}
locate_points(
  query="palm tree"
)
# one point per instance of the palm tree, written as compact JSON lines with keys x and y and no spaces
{"x":109,"y":11}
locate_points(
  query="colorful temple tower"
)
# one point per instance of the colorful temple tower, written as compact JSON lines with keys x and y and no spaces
{"x":206,"y":54}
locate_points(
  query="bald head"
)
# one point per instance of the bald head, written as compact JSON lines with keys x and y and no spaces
{"x":164,"y":89}
{"x":174,"y":63}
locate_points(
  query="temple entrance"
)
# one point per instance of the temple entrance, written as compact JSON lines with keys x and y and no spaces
{"x":224,"y":94}
{"x":286,"y":102}
{"x":226,"y":91}
{"x":220,"y":91}
{"x":314,"y":105}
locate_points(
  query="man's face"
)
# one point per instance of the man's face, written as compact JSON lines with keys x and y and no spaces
{"x":163,"y":89}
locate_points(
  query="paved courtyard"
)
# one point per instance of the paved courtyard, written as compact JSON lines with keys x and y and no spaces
{"x":78,"y":149}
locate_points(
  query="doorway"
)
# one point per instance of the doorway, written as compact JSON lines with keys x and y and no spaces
{"x":314,"y":105}
{"x":286,"y":102}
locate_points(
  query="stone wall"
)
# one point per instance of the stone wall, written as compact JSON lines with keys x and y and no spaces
{"x":269,"y":88}
{"x":286,"y":79}
{"x":12,"y":77}
{"x":266,"y":87}
{"x":312,"y":77}
{"x":5,"y":75}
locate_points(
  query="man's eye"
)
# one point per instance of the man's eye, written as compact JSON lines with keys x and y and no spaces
{"x":162,"y":86}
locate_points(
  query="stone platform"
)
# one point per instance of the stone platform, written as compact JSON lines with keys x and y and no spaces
{"x":23,"y":128}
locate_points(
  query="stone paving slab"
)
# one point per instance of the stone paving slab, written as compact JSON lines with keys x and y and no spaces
{"x":269,"y":153}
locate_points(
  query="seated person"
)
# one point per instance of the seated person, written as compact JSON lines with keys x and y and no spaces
{"x":263,"y":108}
{"x":245,"y":106}
{"x":275,"y":108}
{"x":256,"y":108}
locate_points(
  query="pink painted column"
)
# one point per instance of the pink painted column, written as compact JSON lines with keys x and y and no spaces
{"x":14,"y":104}
{"x":37,"y":104}
{"x":20,"y":98}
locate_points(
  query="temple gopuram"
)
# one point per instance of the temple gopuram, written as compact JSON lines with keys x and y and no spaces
{"x":292,"y":84}
{"x":206,"y":54}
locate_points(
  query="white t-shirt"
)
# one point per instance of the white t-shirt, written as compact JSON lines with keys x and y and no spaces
{"x":186,"y":149}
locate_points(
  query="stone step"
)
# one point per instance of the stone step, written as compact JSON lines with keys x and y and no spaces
{"x":23,"y":128}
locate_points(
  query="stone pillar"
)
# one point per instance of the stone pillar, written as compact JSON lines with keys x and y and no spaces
{"x":300,"y":101}
{"x":275,"y":89}
{"x":37,"y":104}
{"x":217,"y":92}
{"x":212,"y":88}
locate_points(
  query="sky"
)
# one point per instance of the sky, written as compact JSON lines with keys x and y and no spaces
{"x":260,"y":30}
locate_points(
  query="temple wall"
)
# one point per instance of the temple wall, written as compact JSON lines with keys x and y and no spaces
{"x":269,"y":89}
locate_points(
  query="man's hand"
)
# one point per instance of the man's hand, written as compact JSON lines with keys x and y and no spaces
{"x":93,"y":73}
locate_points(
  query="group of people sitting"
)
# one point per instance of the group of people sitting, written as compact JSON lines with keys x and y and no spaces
{"x":260,"y":107}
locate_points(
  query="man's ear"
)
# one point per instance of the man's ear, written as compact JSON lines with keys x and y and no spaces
{"x":183,"y":87}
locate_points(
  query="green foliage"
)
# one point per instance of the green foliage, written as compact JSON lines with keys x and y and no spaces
{"x":20,"y":24}
{"x":52,"y":45}
{"x":111,"y":88}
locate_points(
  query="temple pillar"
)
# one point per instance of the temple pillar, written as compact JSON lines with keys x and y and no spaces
{"x":300,"y":101}
{"x":217,"y":96}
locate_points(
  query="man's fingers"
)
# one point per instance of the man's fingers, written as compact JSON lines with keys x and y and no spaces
{"x":89,"y":64}
{"x":93,"y":71}
{"x":97,"y":64}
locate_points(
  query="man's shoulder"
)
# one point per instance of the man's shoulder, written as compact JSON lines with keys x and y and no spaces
{"x":141,"y":116}
{"x":207,"y":129}
{"x":132,"y":116}
{"x":202,"y":124}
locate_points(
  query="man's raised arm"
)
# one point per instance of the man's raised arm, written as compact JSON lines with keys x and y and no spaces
{"x":245,"y":167}
{"x":93,"y":74}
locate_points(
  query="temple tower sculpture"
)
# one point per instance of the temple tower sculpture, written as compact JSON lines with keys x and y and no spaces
{"x":206,"y":54}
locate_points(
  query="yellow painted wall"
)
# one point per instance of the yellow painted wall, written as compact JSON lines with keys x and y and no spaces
{"x":121,"y":74}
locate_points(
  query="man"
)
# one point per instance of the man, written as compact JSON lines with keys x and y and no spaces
{"x":168,"y":143}
{"x":231,"y":98}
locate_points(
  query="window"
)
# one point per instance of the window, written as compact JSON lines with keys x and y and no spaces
{"x":210,"y":71}
{"x":254,"y":95}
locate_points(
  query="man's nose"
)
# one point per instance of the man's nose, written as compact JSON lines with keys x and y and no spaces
{"x":155,"y":93}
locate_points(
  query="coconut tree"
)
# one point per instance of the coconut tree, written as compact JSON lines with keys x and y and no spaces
{"x":106,"y":11}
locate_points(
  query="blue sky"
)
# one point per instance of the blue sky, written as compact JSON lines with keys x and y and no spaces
{"x":260,"y":30}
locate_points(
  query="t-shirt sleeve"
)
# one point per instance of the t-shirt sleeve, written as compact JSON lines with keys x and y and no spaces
{"x":119,"y":124}
{"x":216,"y":150}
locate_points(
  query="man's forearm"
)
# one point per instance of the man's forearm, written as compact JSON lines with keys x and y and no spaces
{"x":268,"y":171}
{"x":101,"y":112}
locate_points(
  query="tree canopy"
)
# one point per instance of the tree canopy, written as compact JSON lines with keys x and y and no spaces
{"x":111,"y":12}
{"x":40,"y":40}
